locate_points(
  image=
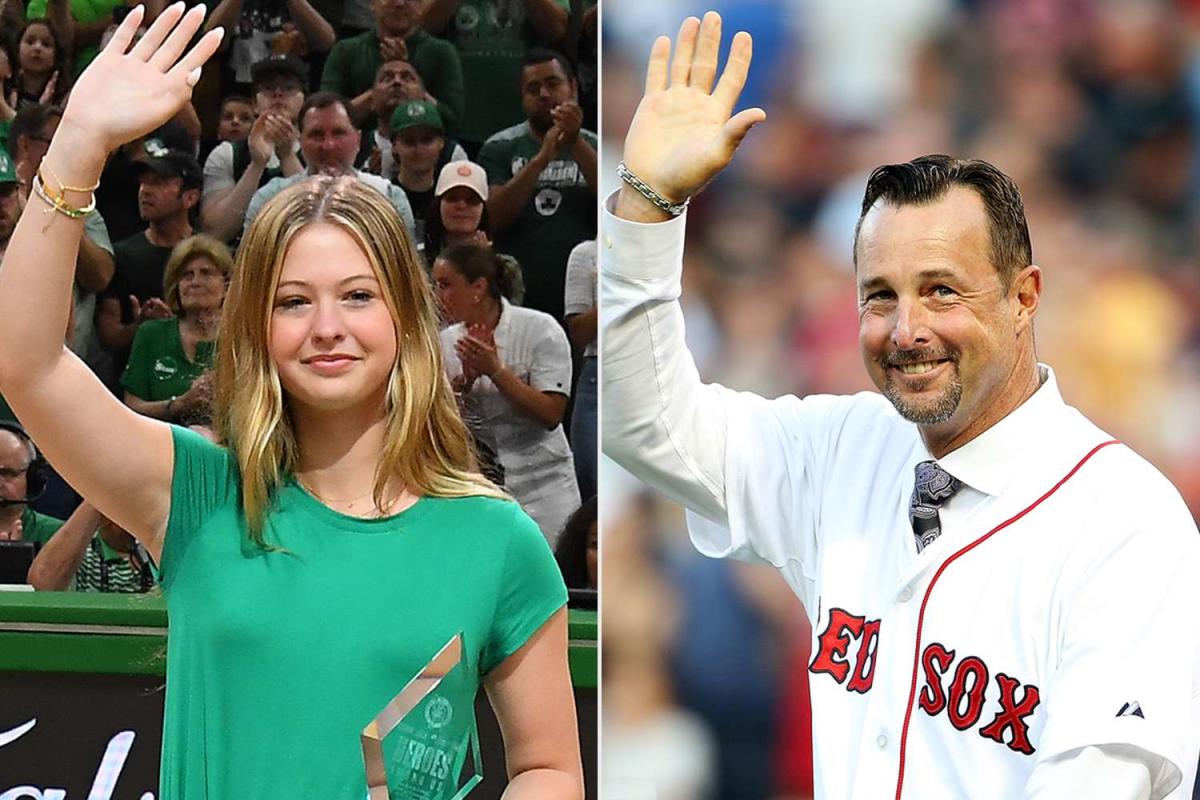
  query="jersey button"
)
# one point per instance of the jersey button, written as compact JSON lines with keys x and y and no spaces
{"x":906,"y":594}
{"x":882,"y":741}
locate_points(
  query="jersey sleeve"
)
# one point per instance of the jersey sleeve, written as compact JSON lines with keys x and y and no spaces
{"x":1128,"y":648}
{"x":204,"y":478}
{"x":531,"y":588}
{"x":136,"y":377}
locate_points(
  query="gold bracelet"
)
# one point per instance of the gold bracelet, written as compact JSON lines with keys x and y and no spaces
{"x":57,"y":203}
{"x":62,"y":187}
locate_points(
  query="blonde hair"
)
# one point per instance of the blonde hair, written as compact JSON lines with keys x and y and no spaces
{"x":198,"y":246}
{"x":427,"y":446}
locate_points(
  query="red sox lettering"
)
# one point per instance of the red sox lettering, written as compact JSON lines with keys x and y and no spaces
{"x":843,"y":629}
{"x":963,"y":700}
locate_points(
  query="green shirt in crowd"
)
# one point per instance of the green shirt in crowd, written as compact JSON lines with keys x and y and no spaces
{"x":36,"y":527}
{"x":158,"y":369}
{"x":560,"y":214}
{"x":352,"y":63}
{"x":492,"y":38}
{"x":83,"y":12}
{"x":277,"y":660}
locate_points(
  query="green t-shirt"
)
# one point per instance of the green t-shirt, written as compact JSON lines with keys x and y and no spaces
{"x":158,"y":369}
{"x":83,"y":11}
{"x":37,"y":527}
{"x":352,"y":63}
{"x":560,"y":214}
{"x":276,"y":661}
{"x":492,"y":37}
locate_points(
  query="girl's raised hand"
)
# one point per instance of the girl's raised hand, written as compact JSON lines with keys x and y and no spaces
{"x":131,"y":87}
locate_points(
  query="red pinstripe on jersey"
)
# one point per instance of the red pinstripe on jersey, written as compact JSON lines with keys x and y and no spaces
{"x":933,"y":582}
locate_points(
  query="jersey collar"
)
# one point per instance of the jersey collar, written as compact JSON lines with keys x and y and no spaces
{"x":992,"y":459}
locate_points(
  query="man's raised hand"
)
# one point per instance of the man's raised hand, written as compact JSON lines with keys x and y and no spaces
{"x":131,"y":88}
{"x":685,"y":131}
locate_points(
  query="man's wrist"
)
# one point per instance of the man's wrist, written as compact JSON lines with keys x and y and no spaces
{"x":634,"y":207}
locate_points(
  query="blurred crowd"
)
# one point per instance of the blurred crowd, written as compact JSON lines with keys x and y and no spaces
{"x":1092,"y":106}
{"x":474,"y":118}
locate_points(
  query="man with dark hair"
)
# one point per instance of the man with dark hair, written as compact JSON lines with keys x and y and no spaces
{"x":234,"y":171}
{"x":329,"y":142}
{"x":492,"y":38}
{"x":396,"y":83}
{"x":169,"y":183}
{"x":988,"y":575}
{"x":542,"y":174}
{"x":352,"y":64}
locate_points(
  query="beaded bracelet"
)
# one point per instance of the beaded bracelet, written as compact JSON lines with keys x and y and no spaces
{"x":646,"y":191}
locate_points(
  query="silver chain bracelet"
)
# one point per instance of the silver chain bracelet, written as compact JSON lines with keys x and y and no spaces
{"x":643,"y":188}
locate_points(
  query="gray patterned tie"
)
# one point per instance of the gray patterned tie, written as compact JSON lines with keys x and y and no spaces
{"x":934,"y":486}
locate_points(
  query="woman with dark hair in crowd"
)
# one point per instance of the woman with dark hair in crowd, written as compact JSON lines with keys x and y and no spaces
{"x":512,"y":369}
{"x":340,"y":537}
{"x":167,"y":375}
{"x":578,"y":549}
{"x":458,"y":213}
{"x":43,"y":72}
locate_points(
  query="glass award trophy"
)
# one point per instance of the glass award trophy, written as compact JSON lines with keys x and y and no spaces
{"x":423,"y":744}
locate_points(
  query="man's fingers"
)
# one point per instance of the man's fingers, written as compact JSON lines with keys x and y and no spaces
{"x":704,"y":65}
{"x":656,"y":70}
{"x":125,"y":32}
{"x":739,"y":125}
{"x":736,"y":68}
{"x":148,"y":44}
{"x":685,"y":48}
{"x":166,"y":56}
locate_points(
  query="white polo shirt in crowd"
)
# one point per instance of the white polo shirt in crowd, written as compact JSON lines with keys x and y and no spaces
{"x":1045,"y":646}
{"x":539,"y":470}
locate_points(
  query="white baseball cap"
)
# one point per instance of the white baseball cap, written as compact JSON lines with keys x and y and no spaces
{"x":462,"y":173}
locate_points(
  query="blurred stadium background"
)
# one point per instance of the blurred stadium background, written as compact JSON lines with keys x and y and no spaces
{"x":1091,"y":105}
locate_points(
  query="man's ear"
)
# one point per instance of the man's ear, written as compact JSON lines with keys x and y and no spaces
{"x":1026,"y":291}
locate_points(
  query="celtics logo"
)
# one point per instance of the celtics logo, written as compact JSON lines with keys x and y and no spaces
{"x":438,"y":712}
{"x":547,"y":202}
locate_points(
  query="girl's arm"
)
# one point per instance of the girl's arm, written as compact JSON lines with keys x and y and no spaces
{"x":532,"y":696}
{"x":120,"y":461}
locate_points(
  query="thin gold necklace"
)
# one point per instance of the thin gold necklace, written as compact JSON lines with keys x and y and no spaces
{"x":330,"y":500}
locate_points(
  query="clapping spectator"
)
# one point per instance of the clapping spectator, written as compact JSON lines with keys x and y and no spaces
{"x":353,"y":63}
{"x":512,"y":369}
{"x":492,"y":38}
{"x":235,"y":170}
{"x":419,"y":150}
{"x":329,"y":142}
{"x":543,"y":178}
{"x":43,"y":66}
{"x":252,"y":26}
{"x":167,"y":376}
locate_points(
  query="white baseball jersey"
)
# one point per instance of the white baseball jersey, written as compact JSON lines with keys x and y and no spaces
{"x":1053,"y":621}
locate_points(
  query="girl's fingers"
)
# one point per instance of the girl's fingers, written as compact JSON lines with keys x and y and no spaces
{"x":199,"y":54}
{"x":166,"y":55}
{"x":154,"y":37}
{"x":125,"y":32}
